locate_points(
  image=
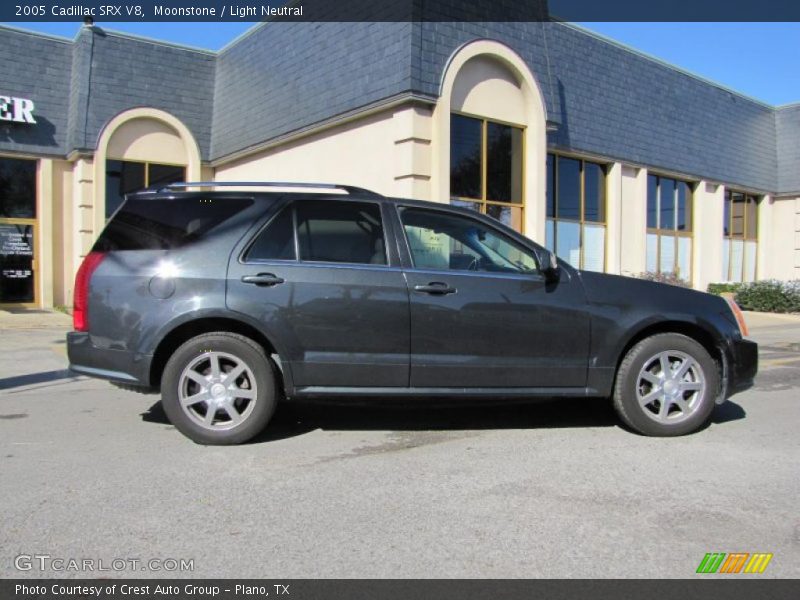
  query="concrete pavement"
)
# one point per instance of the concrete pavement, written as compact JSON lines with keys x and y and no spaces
{"x":34,"y":319}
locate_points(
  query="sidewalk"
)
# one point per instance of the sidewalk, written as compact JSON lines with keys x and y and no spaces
{"x":778,"y":335}
{"x":760,"y":319}
{"x":34,"y":319}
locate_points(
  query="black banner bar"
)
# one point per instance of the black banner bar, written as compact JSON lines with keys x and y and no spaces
{"x":106,"y":11}
{"x":705,"y":588}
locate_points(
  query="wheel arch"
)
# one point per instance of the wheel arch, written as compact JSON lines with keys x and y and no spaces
{"x":692,"y":330}
{"x":186,"y":330}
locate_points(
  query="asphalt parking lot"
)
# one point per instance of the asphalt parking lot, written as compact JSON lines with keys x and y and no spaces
{"x":553,"y":489}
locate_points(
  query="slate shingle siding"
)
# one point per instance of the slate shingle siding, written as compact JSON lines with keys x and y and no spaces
{"x":37,"y":68}
{"x":623,"y":105}
{"x":787,"y":119}
{"x":286,"y":76}
{"x":619,"y":104}
{"x":128,"y":73}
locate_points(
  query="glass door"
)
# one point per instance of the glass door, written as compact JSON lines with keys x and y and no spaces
{"x":18,"y":262}
{"x":18,"y":233}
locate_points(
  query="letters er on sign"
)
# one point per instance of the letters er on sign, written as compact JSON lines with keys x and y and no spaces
{"x":19,"y":110}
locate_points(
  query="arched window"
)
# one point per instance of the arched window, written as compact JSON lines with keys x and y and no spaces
{"x":490,"y":139}
{"x":138,"y":148}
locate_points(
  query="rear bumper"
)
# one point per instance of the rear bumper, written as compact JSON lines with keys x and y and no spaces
{"x":743,"y":365}
{"x":115,"y":365}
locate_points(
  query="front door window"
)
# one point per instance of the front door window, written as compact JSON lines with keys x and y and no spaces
{"x":446,"y":241}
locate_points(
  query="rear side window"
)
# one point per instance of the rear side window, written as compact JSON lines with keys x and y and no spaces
{"x":327,"y":231}
{"x":340,"y":232}
{"x":155,"y":224}
{"x":276,"y":241}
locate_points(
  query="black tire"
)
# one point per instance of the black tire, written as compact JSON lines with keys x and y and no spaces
{"x":261,"y":369}
{"x":644,"y":419}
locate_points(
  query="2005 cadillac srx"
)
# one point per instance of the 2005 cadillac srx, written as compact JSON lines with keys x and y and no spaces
{"x":229,"y":301}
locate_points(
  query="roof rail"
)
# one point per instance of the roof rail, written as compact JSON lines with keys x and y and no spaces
{"x":350,"y":189}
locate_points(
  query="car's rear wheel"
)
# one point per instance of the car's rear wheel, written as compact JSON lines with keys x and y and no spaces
{"x":666,"y":386}
{"x":219,"y":388}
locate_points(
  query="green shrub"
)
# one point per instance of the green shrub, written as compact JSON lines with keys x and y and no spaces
{"x":669,"y":278}
{"x":770,"y":296}
{"x":724,"y":288}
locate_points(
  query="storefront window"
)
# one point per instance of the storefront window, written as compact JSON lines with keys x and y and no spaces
{"x":17,"y":231}
{"x":740,"y":237}
{"x":669,"y":227}
{"x":486,"y":168}
{"x":576,"y":211}
{"x":125,"y":176}
{"x":17,"y":188}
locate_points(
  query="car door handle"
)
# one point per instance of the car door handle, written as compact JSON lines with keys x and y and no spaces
{"x":435,"y":287}
{"x":263,"y":279}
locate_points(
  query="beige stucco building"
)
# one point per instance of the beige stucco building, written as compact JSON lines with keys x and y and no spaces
{"x":484,"y":125}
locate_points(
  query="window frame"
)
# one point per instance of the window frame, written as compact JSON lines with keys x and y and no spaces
{"x":581,"y":222}
{"x":33,"y":223}
{"x":291,"y":204}
{"x":491,"y":225}
{"x":730,"y":237}
{"x":146,"y":164}
{"x":660,"y":232}
{"x":483,"y":202}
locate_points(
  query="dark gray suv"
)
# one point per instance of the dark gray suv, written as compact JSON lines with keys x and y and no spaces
{"x":228,"y":301}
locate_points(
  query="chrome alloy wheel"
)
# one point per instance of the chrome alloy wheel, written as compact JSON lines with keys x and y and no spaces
{"x":217,"y":390}
{"x":670,"y":386}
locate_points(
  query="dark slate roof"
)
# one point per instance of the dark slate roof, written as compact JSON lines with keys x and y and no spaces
{"x":624,"y":105}
{"x":281,"y":78}
{"x":286,"y":76}
{"x":79,"y":85}
{"x":36,"y":67}
{"x":611,"y":101}
{"x":787,"y":121}
{"x":128,"y":72}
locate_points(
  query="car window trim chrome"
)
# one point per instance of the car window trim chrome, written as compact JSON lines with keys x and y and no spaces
{"x":319,"y":264}
{"x":535,"y":277}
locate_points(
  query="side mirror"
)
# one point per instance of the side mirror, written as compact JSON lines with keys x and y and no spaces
{"x":549,"y":266}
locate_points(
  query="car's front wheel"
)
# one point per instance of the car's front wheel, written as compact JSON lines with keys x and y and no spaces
{"x":219,"y":388}
{"x":666,"y":386}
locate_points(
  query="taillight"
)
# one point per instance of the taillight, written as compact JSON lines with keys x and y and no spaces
{"x":80,"y":297}
{"x":737,"y":313}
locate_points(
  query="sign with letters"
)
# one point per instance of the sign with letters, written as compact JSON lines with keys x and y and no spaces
{"x":16,"y":240}
{"x":17,"y":110}
{"x":16,"y":264}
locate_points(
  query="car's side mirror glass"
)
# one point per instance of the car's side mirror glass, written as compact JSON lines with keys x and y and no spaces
{"x":549,"y":265}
